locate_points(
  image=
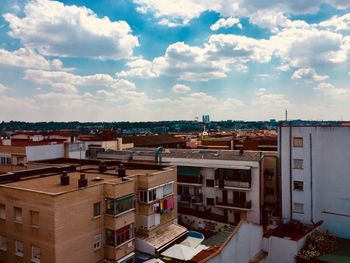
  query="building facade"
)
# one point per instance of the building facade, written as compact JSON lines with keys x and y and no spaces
{"x":315,"y":175}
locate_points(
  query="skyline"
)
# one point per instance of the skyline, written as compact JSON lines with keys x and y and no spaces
{"x":147,"y":60}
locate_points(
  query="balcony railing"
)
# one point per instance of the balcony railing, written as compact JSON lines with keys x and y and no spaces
{"x":208,"y":215}
{"x":237,"y":184}
{"x":234,"y":204}
{"x":191,"y":198}
{"x":189,"y":179}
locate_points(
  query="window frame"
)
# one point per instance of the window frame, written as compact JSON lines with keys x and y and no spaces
{"x":298,"y":211}
{"x":296,"y":166}
{"x":3,"y":211}
{"x":3,"y":243}
{"x":20,"y":244}
{"x":298,"y":185}
{"x":35,"y":259}
{"x":18,"y":211}
{"x":97,"y":244}
{"x":296,"y":142}
{"x":32,"y":223}
{"x":96,"y":207}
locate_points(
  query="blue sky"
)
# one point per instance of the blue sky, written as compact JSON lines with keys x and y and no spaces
{"x":144,"y":60}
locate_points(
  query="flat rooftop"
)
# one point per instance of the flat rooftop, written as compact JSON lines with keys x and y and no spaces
{"x":234,"y":155}
{"x":49,"y":183}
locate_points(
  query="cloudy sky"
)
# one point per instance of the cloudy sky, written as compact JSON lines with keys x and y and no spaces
{"x":174,"y":59}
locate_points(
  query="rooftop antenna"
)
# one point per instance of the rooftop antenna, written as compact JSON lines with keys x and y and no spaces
{"x":286,"y":115}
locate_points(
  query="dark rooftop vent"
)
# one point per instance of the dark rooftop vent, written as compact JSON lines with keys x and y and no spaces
{"x":64,"y":178}
{"x":241,"y":151}
{"x":121,"y":170}
{"x":82,"y":182}
{"x":102,"y":167}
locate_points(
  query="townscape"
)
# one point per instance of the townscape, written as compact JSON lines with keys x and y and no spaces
{"x":170,"y":131}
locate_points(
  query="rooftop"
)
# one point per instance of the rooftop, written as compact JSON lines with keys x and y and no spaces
{"x":203,"y":154}
{"x":48,"y":180}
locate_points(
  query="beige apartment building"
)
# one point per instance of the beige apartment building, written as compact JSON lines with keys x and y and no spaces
{"x":89,"y":214}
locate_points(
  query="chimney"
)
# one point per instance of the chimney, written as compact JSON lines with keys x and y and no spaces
{"x":102,"y":167}
{"x":82,"y":182}
{"x":64,"y":178}
{"x":121,"y":170}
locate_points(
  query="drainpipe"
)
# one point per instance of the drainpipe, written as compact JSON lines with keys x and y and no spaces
{"x":311,"y":183}
{"x":290,"y":175}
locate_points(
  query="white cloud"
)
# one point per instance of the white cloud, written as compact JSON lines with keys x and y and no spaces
{"x":138,"y":68}
{"x":65,"y":82}
{"x":333,"y":92}
{"x":54,"y":29}
{"x":225,"y":23}
{"x":181,"y":12}
{"x":24,"y":58}
{"x":2,"y":88}
{"x":308,"y":74}
{"x":339,"y":23}
{"x":179,"y":88}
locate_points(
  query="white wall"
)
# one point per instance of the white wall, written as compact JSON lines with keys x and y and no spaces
{"x":244,"y":245}
{"x":44,"y":152}
{"x":330,"y":176}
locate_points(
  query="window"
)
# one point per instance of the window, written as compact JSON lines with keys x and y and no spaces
{"x":168,"y":189}
{"x":152,"y":195}
{"x":298,"y":185}
{"x":298,"y":208}
{"x":298,"y":163}
{"x":268,"y":174}
{"x":34,"y":218}
{"x":210,"y":183}
{"x":97,"y":209}
{"x":18,"y":248}
{"x":2,"y":211}
{"x":36,"y":254}
{"x":18,"y":214}
{"x":5,"y":160}
{"x":97,"y":242}
{"x":210,"y":201}
{"x":128,"y":260}
{"x":117,"y":237}
{"x":143,"y":196}
{"x":120,"y":205}
{"x":297,"y":141}
{"x":3,"y":243}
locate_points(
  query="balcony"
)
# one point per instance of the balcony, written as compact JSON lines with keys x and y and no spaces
{"x":185,"y":179}
{"x":239,"y":205}
{"x":193,"y":199}
{"x":235,"y":185}
{"x":208,"y":215}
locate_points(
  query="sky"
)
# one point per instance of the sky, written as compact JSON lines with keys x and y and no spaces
{"x":145,"y":60}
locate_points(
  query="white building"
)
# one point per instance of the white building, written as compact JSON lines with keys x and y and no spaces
{"x":315,"y":176}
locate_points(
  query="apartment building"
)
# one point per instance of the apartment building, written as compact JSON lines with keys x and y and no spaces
{"x":315,"y":175}
{"x":219,"y":187}
{"x":93,"y":213}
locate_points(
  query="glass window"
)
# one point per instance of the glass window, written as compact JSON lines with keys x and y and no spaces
{"x":36,"y":254}
{"x":97,"y":209}
{"x":3,"y":243}
{"x":2,"y":211}
{"x":210,"y":201}
{"x":298,"y":163}
{"x":143,"y":196}
{"x":298,"y":185}
{"x":18,"y":214}
{"x":210,"y":183}
{"x":117,"y":237}
{"x":152,"y":195}
{"x":18,"y":248}
{"x":168,"y":189}
{"x":298,"y":208}
{"x":97,"y":242}
{"x":34,"y":218}
{"x":120,"y":205}
{"x":298,"y":142}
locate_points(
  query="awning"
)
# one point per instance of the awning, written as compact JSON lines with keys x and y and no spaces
{"x":188,"y":171}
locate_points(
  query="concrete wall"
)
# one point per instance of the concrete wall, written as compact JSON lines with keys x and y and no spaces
{"x":330,"y":151}
{"x":243,"y":246}
{"x":44,"y":152}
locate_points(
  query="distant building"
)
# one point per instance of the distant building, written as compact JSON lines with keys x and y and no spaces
{"x":205,"y":118}
{"x":315,"y":178}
